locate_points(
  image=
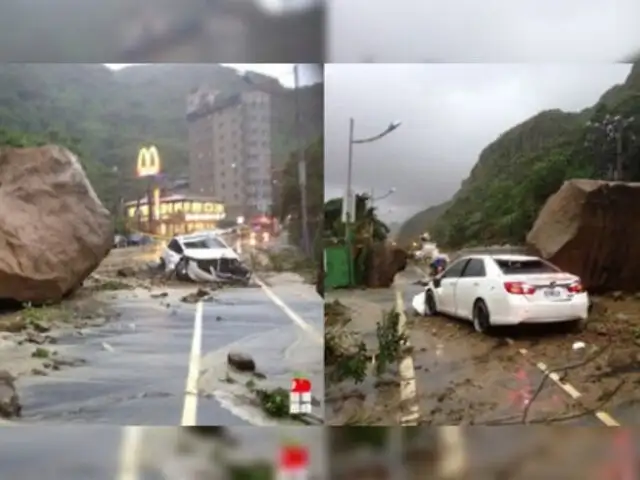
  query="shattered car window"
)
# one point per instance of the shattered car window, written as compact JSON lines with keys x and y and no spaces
{"x":204,"y":243}
{"x":519,"y":267}
{"x":174,"y":246}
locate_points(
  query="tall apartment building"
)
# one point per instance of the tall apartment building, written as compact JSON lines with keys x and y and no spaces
{"x":230,"y":149}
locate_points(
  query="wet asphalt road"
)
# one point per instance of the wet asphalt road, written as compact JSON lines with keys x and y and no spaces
{"x":139,"y":376}
{"x":95,"y":452}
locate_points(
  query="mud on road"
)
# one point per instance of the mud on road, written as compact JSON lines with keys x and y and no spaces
{"x":464,"y":377}
{"x":376,"y":400}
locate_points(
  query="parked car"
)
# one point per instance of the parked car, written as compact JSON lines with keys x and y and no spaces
{"x":138,"y":239}
{"x":120,"y":241}
{"x":203,"y":257}
{"x":491,"y":290}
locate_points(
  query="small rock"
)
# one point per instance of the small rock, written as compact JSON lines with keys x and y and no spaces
{"x":241,"y":362}
{"x":58,"y":362}
{"x":39,"y":372}
{"x":10,"y":406}
{"x":617,"y":296}
{"x":39,"y":326}
{"x":202,"y":292}
{"x":126,"y":272}
{"x":160,"y":295}
{"x":37,"y":338}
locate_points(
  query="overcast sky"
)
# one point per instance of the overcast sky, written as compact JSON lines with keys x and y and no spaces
{"x":449,"y":113}
{"x":282,"y":71}
{"x":482,"y":31}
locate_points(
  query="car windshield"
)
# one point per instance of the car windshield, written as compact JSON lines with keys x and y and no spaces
{"x":204,"y":243}
{"x":523,"y":267}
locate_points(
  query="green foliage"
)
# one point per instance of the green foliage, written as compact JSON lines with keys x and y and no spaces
{"x":347,"y":366}
{"x":517,"y":173}
{"x":105,"y":117}
{"x":366,"y":224}
{"x":391,"y":342}
{"x":255,"y":471}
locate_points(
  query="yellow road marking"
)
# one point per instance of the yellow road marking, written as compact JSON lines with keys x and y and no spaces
{"x":566,"y":387}
{"x":410,"y":414}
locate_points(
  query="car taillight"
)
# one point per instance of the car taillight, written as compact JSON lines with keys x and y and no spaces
{"x":575,"y":287}
{"x":519,"y":288}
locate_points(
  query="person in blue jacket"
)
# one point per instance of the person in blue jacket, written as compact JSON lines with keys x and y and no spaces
{"x":438,"y":263}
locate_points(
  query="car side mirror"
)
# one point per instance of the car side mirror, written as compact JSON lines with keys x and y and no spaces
{"x":436,"y":282}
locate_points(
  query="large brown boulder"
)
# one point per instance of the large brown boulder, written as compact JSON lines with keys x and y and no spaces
{"x":53,"y":229}
{"x":592,"y":228}
{"x":384,"y":262}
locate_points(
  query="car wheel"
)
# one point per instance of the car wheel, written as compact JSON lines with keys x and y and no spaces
{"x":430,"y":307}
{"x":181,"y":270}
{"x":481,"y":317}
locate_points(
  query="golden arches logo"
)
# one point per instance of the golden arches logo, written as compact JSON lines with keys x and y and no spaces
{"x":148,"y":162}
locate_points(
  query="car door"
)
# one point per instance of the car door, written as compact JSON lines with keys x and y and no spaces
{"x":446,"y":285}
{"x":172,"y":254}
{"x":468,"y":287}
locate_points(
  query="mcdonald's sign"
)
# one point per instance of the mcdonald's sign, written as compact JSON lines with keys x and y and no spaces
{"x":148,"y":163}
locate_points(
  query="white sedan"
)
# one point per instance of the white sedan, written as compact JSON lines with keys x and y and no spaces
{"x":493,"y":290}
{"x":203,"y":257}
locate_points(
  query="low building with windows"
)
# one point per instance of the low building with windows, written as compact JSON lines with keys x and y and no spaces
{"x":176,"y":214}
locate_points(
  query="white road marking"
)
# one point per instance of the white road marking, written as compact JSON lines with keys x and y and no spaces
{"x":297,"y":319}
{"x":129,"y":459}
{"x":566,"y":387}
{"x":410,"y":413}
{"x":190,"y":409}
{"x":453,"y":460}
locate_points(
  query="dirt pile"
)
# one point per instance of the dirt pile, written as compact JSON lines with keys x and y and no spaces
{"x":53,"y":229}
{"x":591,"y":229}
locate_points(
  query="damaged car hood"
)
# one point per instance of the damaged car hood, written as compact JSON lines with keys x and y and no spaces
{"x":210,"y":253}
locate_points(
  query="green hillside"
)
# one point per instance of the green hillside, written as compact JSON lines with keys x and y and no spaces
{"x":106,"y":116}
{"x":517,"y":172}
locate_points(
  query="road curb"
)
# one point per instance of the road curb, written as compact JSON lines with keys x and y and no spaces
{"x":410,"y":410}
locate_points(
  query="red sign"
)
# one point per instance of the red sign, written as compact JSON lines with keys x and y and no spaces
{"x":300,"y":385}
{"x":294,"y":457}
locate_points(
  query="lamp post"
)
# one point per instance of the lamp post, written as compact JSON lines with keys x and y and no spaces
{"x":348,"y":202}
{"x":375,"y":199}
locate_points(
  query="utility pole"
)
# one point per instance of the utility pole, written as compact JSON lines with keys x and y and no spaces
{"x":302,"y":167}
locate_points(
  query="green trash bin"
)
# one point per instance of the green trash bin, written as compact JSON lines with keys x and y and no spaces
{"x":336,"y":267}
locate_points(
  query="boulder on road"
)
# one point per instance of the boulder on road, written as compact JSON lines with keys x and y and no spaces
{"x":591,"y":228}
{"x":241,"y":362}
{"x":384,"y":262}
{"x":54,"y":231}
{"x":9,"y":401}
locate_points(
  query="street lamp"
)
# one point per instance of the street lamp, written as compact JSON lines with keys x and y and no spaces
{"x":348,"y":202}
{"x":374,"y":199}
{"x":614,"y":128}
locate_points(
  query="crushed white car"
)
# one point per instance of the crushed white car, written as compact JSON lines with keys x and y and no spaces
{"x":203,"y":257}
{"x":491,"y":290}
